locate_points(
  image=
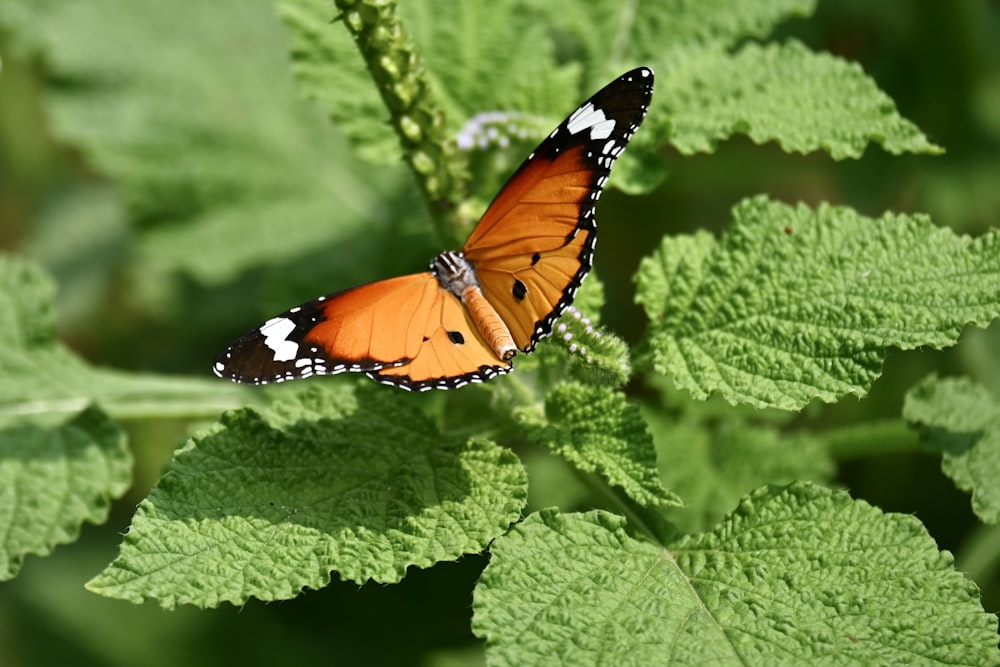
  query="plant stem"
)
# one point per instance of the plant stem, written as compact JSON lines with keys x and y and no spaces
{"x":871,"y":438}
{"x":398,"y":72}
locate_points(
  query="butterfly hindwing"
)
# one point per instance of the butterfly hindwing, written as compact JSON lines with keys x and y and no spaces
{"x":452,"y":353}
{"x":534,"y":245}
{"x":409,"y":325}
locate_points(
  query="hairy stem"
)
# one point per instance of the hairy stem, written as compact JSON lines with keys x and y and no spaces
{"x":398,"y":72}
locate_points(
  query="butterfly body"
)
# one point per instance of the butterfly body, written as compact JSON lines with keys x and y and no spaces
{"x":458,"y":277}
{"x":465,"y":319}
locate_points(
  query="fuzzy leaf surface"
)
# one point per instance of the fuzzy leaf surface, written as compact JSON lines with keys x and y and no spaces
{"x":266,"y":504}
{"x":961,"y":420}
{"x":598,"y":430}
{"x":805,"y":101}
{"x":794,"y":575}
{"x":53,"y":478}
{"x":795,"y":304}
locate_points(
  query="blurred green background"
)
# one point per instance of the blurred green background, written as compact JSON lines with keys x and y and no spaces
{"x":938,"y":60}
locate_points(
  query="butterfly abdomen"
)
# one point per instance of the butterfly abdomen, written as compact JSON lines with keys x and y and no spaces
{"x":490,"y":325}
{"x":457,"y":276}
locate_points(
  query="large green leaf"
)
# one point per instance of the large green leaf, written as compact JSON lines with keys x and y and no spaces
{"x":805,"y":101}
{"x":52,"y":479}
{"x":800,"y":575}
{"x":61,"y":458}
{"x":795,"y":304}
{"x":264,"y":505}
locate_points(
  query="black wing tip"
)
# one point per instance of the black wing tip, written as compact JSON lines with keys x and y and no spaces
{"x":640,"y":79}
{"x":641,"y":72}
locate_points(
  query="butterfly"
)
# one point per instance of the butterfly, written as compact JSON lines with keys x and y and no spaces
{"x":465,"y":319}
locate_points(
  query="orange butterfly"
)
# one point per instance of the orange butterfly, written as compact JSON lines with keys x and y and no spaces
{"x":465,"y":319}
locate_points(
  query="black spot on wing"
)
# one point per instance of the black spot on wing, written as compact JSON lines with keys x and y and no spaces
{"x":456,"y":337}
{"x":520,"y":291}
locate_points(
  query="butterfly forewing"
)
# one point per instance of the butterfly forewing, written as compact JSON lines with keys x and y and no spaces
{"x":332,"y":334}
{"x":534,"y":245}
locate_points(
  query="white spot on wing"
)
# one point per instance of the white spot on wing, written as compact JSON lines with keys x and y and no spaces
{"x":603,"y":129}
{"x":275,"y":332}
{"x":590,"y":117}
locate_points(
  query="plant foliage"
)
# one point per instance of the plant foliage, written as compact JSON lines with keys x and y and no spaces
{"x":796,"y":304}
{"x":259,"y":152}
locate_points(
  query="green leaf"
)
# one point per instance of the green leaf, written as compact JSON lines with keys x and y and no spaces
{"x":54,"y":479}
{"x":659,"y":31}
{"x":61,"y":458}
{"x":706,"y":92}
{"x":961,"y":420}
{"x":598,"y":430}
{"x":795,"y":575}
{"x":42,"y":381}
{"x":584,"y":351}
{"x":795,"y":304}
{"x":26,"y":304}
{"x":805,"y":101}
{"x":710,"y":455}
{"x":203,"y":132}
{"x":264,"y":505}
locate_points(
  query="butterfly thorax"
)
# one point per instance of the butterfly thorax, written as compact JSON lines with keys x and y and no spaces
{"x":454,"y":272}
{"x":456,"y":275}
